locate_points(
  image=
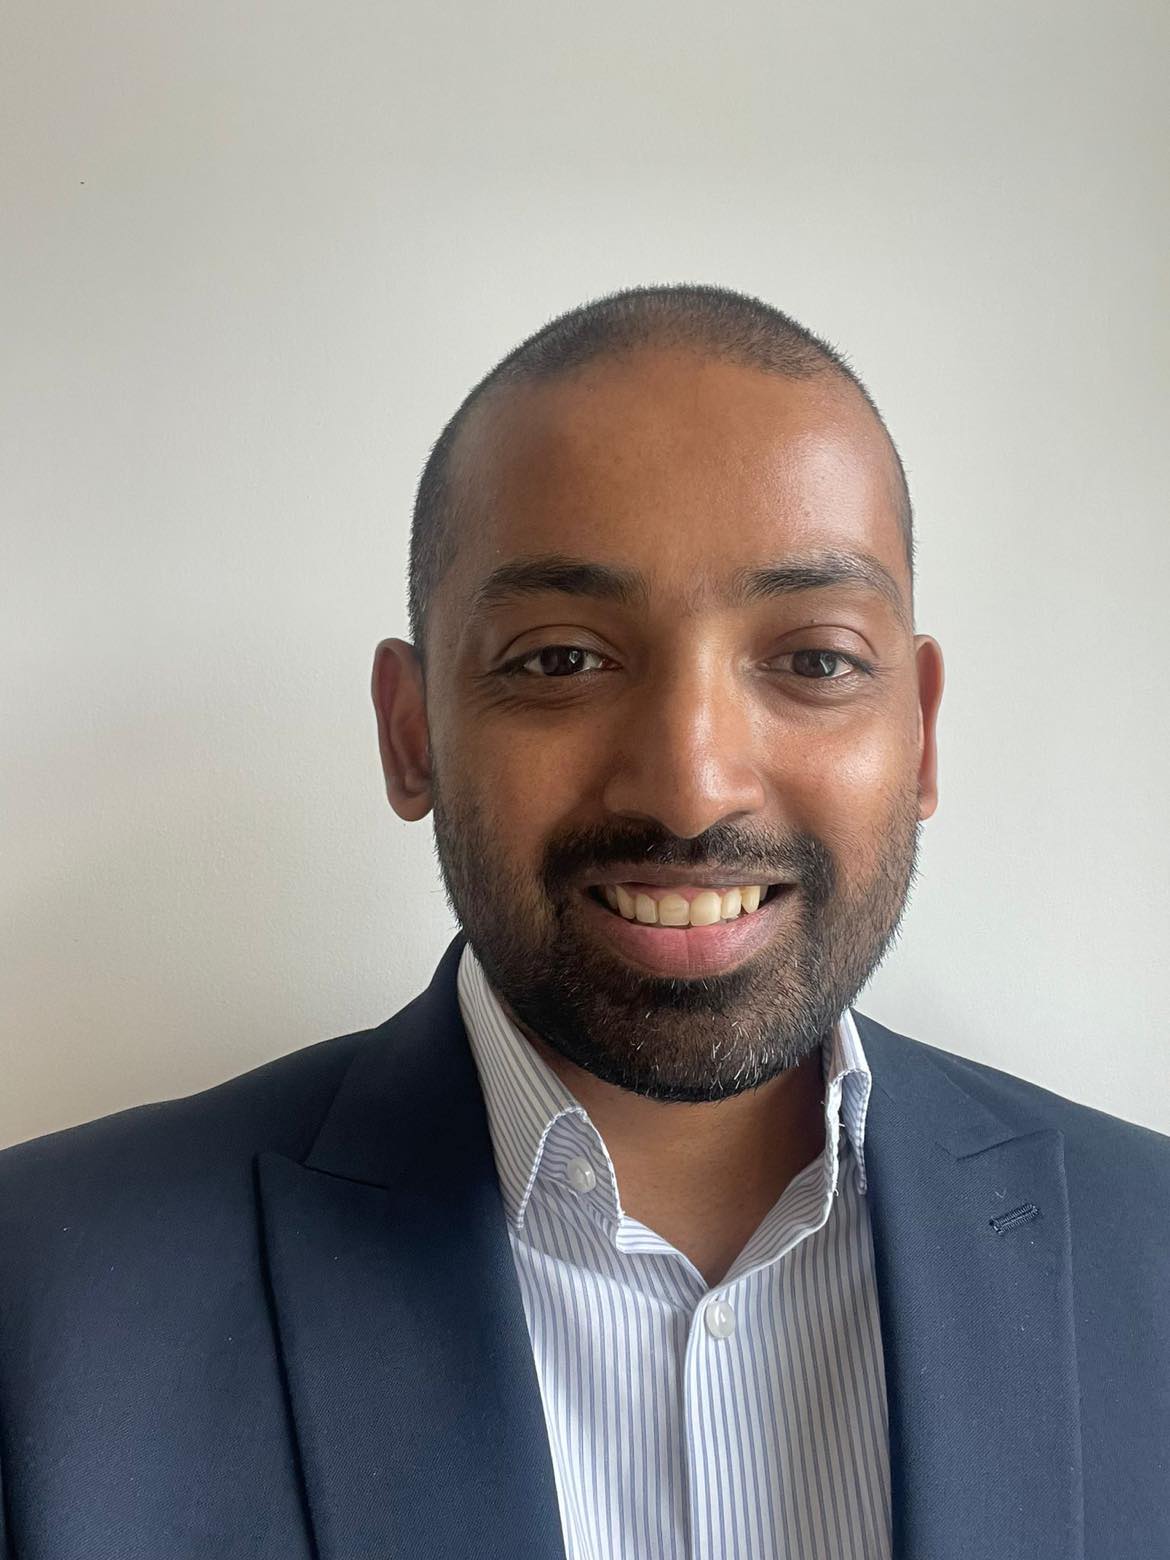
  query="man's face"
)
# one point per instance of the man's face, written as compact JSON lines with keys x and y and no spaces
{"x":729,"y":696}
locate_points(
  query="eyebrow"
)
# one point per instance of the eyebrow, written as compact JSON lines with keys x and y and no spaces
{"x":821,"y":571}
{"x":558,"y":574}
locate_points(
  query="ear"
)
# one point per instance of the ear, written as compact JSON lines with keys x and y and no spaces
{"x":928,"y":657}
{"x":403,"y":737}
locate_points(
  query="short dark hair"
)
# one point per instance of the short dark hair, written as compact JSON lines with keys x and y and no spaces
{"x":713,"y":321}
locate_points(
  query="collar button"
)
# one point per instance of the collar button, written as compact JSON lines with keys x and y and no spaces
{"x":581,"y":1175}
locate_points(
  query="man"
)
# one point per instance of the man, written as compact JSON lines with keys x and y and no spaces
{"x":628,"y":1237}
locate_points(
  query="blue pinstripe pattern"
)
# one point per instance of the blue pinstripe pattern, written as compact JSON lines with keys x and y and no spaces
{"x":669,"y":1442}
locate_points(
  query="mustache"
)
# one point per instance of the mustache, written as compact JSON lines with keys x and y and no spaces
{"x":722,"y":849}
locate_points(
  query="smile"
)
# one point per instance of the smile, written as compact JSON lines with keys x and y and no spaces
{"x":691,"y":947}
{"x":682,"y":904}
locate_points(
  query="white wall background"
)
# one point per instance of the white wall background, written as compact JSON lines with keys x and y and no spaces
{"x":252,"y":258}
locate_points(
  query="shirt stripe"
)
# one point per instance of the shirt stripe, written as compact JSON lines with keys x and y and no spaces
{"x":669,"y":1441}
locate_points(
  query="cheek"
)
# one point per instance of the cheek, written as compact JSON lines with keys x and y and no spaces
{"x":845,"y":782}
{"x":522,"y":791}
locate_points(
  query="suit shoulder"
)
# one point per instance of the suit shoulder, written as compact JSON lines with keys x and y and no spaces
{"x":151,"y":1152}
{"x":1091,"y":1135}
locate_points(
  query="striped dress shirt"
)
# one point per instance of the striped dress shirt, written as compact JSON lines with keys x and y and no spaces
{"x":747,"y":1422}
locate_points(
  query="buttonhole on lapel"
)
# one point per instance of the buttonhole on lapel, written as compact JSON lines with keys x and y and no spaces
{"x":1020,"y":1215}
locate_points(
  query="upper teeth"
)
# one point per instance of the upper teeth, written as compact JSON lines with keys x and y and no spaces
{"x":713,"y":904}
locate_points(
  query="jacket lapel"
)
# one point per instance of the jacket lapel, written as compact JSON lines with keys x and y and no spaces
{"x":417,"y":1410}
{"x":976,"y":1318}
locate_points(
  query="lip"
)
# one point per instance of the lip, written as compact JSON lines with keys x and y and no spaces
{"x":673,"y":877}
{"x":691,"y":951}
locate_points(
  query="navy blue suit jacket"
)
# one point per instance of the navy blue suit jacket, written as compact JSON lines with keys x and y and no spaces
{"x":279,"y":1320}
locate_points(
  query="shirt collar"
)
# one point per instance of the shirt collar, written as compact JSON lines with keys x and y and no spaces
{"x":525,"y":1099}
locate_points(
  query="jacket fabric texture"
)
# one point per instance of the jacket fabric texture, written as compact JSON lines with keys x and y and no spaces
{"x":280,"y":1320}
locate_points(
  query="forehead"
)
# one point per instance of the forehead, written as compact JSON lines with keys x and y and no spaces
{"x":686,"y":468}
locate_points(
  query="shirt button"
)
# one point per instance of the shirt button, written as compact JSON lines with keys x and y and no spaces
{"x":581,"y":1175}
{"x":719,"y":1319}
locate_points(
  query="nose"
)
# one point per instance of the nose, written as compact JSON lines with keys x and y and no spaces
{"x":687,"y":751}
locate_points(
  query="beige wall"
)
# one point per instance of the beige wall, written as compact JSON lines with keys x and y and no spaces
{"x":253,"y":256}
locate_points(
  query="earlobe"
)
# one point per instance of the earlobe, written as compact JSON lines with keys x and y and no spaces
{"x":403,"y":735}
{"x":929,"y":666}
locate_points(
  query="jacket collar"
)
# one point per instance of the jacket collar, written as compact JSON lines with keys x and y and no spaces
{"x":417,"y":1411}
{"x":413,"y":1391}
{"x":973,"y":1263}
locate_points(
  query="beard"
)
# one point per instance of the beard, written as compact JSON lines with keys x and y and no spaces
{"x":668,"y":1038}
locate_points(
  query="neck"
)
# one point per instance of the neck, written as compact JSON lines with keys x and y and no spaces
{"x":703,"y":1176}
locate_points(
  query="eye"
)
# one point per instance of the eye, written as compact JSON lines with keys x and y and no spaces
{"x":824,"y":665}
{"x":552,"y":661}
